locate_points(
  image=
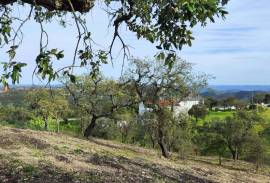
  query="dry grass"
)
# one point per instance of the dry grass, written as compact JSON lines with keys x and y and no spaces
{"x":30,"y":156}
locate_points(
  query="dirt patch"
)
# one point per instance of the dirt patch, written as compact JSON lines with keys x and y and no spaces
{"x":11,"y":172}
{"x":120,"y":146}
{"x":63,"y":158}
{"x":15,"y":130}
{"x":37,"y":143}
{"x":138,"y":171}
{"x":8,"y":141}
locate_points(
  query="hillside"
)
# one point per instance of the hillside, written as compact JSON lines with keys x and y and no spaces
{"x":31,"y":156}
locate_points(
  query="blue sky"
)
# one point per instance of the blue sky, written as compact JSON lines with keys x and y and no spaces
{"x":234,"y":51}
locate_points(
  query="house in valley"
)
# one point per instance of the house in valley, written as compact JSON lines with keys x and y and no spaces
{"x":185,"y":105}
{"x":178,"y":107}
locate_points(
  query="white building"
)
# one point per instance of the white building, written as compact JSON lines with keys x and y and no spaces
{"x":185,"y":105}
{"x":182,"y":107}
{"x":230,"y":108}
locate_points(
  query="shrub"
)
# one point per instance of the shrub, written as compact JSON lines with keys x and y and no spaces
{"x":37,"y":123}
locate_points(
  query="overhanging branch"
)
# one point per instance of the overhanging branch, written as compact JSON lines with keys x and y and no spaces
{"x":61,"y":5}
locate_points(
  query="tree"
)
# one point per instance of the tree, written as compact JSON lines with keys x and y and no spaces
{"x":61,"y":109}
{"x":215,"y":142}
{"x":267,"y":98}
{"x":235,"y":130}
{"x":210,"y":102}
{"x":160,"y":87}
{"x":198,"y":111}
{"x":259,"y":98}
{"x":15,"y":114}
{"x":255,"y":150}
{"x":239,"y":104}
{"x":167,"y":24}
{"x":98,"y":98}
{"x":126,"y":118}
{"x":47,"y":104}
{"x":209,"y":140}
{"x":179,"y":135}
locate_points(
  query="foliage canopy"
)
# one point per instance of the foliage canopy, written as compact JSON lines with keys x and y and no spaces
{"x":166,"y":24}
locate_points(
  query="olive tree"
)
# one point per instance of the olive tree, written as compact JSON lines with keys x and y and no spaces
{"x":198,"y":111}
{"x":159,"y":87}
{"x":98,"y":98}
{"x":48,"y":105}
{"x":235,"y":131}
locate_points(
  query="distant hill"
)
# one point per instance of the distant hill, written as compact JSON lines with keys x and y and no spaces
{"x":242,"y":95}
{"x":220,"y":88}
{"x":237,"y":88}
{"x":242,"y":92}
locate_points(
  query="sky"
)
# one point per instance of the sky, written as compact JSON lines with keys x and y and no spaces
{"x":235,"y":51}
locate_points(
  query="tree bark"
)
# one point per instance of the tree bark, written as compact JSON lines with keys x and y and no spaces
{"x":58,"y":125}
{"x":46,"y":121}
{"x":219,"y":159}
{"x":89,"y":130}
{"x":233,"y":152}
{"x":161,"y":136}
{"x":237,"y":154}
{"x":257,"y":167}
{"x":162,"y":144}
{"x":62,"y":5}
{"x":124,"y":137}
{"x":153,"y":142}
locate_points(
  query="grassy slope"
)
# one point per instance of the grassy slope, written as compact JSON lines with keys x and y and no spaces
{"x":31,"y":156}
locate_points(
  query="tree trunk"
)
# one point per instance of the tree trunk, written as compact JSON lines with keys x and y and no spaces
{"x":46,"y":121}
{"x":81,"y":125}
{"x":153,"y":142}
{"x":233,"y":152}
{"x":236,"y":154}
{"x":89,"y":130}
{"x":257,"y":166}
{"x":58,"y":125}
{"x":161,"y":136}
{"x":219,"y":159}
{"x":124,"y":138}
{"x":162,"y":144}
{"x":163,"y":148}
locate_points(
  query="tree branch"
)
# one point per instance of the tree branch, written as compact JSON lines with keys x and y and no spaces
{"x":62,"y":5}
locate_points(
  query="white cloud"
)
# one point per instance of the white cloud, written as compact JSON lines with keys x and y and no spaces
{"x":236,"y":50}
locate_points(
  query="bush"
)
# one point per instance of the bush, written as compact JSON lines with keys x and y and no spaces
{"x":255,"y":150}
{"x":17,"y":116}
{"x":37,"y":123}
{"x":107,"y":129}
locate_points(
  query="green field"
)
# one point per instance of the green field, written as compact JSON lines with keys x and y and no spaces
{"x":214,"y":115}
{"x":218,"y":114}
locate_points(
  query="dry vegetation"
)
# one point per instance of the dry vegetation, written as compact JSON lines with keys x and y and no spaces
{"x":30,"y":156}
